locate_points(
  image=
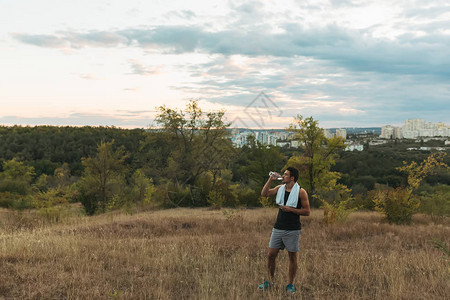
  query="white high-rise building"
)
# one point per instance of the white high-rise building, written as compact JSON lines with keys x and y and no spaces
{"x":412,"y":128}
{"x":328,"y":134}
{"x":415,"y":128}
{"x":342,"y":133}
{"x":398,"y":133}
{"x":387,"y":132}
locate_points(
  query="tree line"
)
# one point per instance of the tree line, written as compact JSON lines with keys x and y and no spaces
{"x":189,"y":161}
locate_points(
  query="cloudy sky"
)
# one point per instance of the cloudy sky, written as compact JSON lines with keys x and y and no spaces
{"x":113,"y":62}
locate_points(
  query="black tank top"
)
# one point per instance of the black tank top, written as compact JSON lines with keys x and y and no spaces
{"x":288,"y":220}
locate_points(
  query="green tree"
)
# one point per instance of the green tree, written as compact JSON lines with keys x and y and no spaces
{"x":319,"y":154}
{"x":196,"y":143}
{"x":16,"y":177}
{"x":400,"y":204}
{"x":142,"y":187}
{"x":260,"y":159}
{"x":103,"y":177}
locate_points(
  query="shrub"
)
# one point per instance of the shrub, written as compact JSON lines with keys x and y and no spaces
{"x":169,"y":195}
{"x":267,"y":202}
{"x":436,"y":204}
{"x":50,"y":204}
{"x":216,"y":199}
{"x":7,"y":199}
{"x":337,"y":202}
{"x":15,"y":186}
{"x":398,"y":205}
{"x":336,"y":212}
{"x":244,"y":195}
{"x":365,"y":203}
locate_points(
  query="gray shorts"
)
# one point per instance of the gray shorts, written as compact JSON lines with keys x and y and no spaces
{"x":288,"y":239}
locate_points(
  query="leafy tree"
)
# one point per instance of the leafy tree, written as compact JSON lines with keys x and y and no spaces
{"x":16,"y":177}
{"x":260,"y":159}
{"x":399,"y":205}
{"x":436,"y":203}
{"x":197,"y":143}
{"x":319,"y":154}
{"x":142,"y":187}
{"x":103,"y":177}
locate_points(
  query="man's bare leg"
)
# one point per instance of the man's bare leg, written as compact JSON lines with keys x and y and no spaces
{"x":271,"y":262}
{"x":292,"y":266}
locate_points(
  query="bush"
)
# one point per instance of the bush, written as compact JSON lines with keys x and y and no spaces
{"x":216,"y":199}
{"x":7,"y":199}
{"x":336,"y":212}
{"x":15,"y":186}
{"x":267,"y":202}
{"x":436,"y":204}
{"x":244,"y":195}
{"x":398,"y":205}
{"x":169,"y":195}
{"x":50,"y":204}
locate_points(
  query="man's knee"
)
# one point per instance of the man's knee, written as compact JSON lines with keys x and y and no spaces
{"x":292,"y":257}
{"x":272,"y":253}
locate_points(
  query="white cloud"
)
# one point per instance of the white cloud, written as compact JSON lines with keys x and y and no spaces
{"x":360,"y":60}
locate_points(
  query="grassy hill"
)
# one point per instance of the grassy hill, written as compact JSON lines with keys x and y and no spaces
{"x":217,"y":254}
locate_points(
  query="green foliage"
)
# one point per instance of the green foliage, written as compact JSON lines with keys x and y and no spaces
{"x":15,"y":170}
{"x":244,"y":195}
{"x":50,"y":204}
{"x":336,"y":212}
{"x":399,"y":205}
{"x":15,"y":201}
{"x":379,"y":164}
{"x":15,"y":186}
{"x":267,"y":202}
{"x":16,"y":177}
{"x":417,"y":172}
{"x":47,"y":147}
{"x":103,"y":178}
{"x":216,"y":199}
{"x":142,"y":187}
{"x":319,"y":154}
{"x":338,"y":204}
{"x":437,"y":203}
{"x":196,"y":143}
{"x":259,"y":160}
{"x":42,"y":183}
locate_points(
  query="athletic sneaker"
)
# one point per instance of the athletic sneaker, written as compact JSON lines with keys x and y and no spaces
{"x":290,"y":288}
{"x":265,"y":286}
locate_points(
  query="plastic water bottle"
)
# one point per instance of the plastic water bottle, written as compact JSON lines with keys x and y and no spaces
{"x":275,"y":173}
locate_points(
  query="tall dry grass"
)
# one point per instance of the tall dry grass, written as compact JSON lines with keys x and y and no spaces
{"x":209,"y":254}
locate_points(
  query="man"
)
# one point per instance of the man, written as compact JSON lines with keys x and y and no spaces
{"x":293,"y":201}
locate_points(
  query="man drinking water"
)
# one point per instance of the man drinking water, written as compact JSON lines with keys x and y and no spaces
{"x":293,"y":202}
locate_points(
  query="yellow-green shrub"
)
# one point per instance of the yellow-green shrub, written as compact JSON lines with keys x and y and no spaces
{"x":398,"y":205}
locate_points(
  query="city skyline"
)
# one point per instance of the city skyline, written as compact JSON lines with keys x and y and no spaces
{"x":112,"y":63}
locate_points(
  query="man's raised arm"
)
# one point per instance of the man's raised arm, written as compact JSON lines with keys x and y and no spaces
{"x":267,"y":191}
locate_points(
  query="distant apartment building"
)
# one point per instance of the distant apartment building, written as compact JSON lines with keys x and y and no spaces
{"x":240,"y":138}
{"x":339,"y":132}
{"x":415,"y":128}
{"x":328,"y":134}
{"x":391,"y":132}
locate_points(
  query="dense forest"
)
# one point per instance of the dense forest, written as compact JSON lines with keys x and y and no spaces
{"x":189,"y":161}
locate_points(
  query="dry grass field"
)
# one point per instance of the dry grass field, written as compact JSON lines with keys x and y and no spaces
{"x":217,"y":254}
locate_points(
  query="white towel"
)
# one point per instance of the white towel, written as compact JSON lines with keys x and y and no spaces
{"x":293,"y":196}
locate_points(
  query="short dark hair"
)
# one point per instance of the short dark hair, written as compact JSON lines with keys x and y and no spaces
{"x":294,"y":173}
